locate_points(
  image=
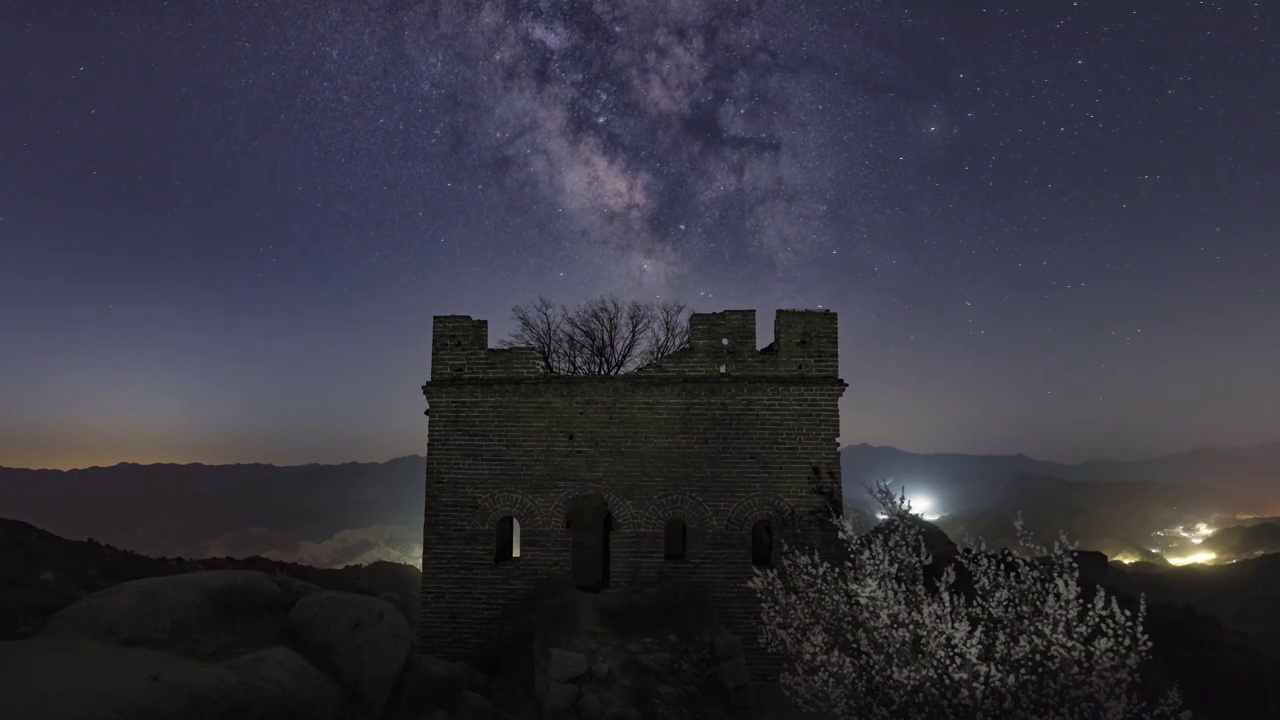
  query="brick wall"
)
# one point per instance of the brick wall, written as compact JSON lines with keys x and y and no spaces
{"x":720,"y":435}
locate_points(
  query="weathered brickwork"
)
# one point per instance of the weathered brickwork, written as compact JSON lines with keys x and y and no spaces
{"x":720,"y":435}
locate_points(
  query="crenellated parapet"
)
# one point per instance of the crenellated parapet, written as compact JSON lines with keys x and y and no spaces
{"x":460,"y":349}
{"x":724,"y":343}
{"x":721,"y":344}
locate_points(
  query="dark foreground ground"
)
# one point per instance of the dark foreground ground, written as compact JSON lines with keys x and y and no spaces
{"x":1215,"y":631}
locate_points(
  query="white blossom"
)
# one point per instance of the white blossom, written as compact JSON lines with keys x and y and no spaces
{"x":869,"y":638}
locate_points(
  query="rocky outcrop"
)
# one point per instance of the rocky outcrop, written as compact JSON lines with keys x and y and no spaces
{"x":202,"y":614}
{"x":365,"y":640}
{"x":67,"y":678}
{"x":564,"y":665}
{"x":433,"y":689}
{"x":214,"y":644}
{"x":42,"y":574}
{"x":285,"y":684}
{"x":607,"y":677}
{"x":656,"y":654}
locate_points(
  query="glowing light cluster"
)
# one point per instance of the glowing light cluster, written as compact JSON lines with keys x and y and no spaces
{"x":1202,"y":557}
{"x":1195,"y":534}
{"x":921,"y":505}
{"x":1178,"y":544}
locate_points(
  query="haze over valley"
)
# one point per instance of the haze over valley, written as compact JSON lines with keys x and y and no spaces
{"x":334,"y":515}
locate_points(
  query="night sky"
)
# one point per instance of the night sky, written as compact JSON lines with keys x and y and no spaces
{"x":1048,"y":227}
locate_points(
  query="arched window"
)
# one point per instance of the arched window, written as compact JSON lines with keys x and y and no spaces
{"x":673,"y":539}
{"x":762,"y":543}
{"x":508,"y":544}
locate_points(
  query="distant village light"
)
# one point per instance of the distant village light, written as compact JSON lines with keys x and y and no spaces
{"x":1203,"y":557}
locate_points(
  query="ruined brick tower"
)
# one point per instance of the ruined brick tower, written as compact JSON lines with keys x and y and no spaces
{"x":692,"y":468}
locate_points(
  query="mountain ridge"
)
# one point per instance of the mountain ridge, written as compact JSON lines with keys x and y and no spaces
{"x":1242,"y":474}
{"x":186,"y":509}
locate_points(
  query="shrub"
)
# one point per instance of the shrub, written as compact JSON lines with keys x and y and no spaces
{"x":880,"y":632}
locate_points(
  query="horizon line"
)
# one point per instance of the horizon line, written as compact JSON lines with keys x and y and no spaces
{"x":1201,"y":448}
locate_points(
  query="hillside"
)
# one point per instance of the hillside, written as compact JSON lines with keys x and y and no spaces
{"x":1113,"y":507}
{"x":1248,"y":477}
{"x":1243,"y":595}
{"x":41,"y":573}
{"x":1197,"y":615}
{"x":1244,"y":540}
{"x":168,"y":509}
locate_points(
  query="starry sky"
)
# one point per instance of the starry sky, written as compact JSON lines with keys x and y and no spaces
{"x":1050,"y":228}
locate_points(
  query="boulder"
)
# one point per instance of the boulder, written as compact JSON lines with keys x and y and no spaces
{"x":590,"y":707}
{"x":214,"y":614}
{"x":429,"y":682}
{"x":69,"y":678}
{"x":600,"y":671}
{"x":294,"y":588}
{"x":560,"y":697}
{"x":288,"y":686}
{"x":364,"y":640}
{"x":471,"y":706}
{"x":564,"y":665}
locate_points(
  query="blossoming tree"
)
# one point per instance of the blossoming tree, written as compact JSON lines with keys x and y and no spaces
{"x":879,"y":633}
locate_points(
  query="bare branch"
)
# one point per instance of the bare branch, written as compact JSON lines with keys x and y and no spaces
{"x":670,"y":331}
{"x":539,"y":326}
{"x":600,"y":337}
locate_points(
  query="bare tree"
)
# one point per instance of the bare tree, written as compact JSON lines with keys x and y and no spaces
{"x":604,"y":336}
{"x":670,"y":331}
{"x":539,"y":326}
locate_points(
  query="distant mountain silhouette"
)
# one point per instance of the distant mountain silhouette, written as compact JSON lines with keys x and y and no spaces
{"x":1244,"y":540}
{"x":330,"y":515}
{"x":1248,"y":476}
{"x":199,"y":510}
{"x":1110,"y":506}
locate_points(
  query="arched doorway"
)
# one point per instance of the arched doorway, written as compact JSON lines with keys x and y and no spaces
{"x":589,"y":523}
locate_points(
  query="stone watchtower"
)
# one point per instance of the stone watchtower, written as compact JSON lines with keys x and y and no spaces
{"x":688,"y":469}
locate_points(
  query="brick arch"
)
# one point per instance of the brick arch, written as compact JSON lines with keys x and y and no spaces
{"x":685,"y":506}
{"x":507,"y":501}
{"x":758,"y":506}
{"x":623,"y":517}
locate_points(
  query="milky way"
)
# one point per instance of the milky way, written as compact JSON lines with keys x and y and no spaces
{"x":660,"y":131}
{"x":1047,"y":227}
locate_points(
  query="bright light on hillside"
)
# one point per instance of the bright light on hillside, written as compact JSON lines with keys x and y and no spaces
{"x":921,"y":504}
{"x":1202,"y":557}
